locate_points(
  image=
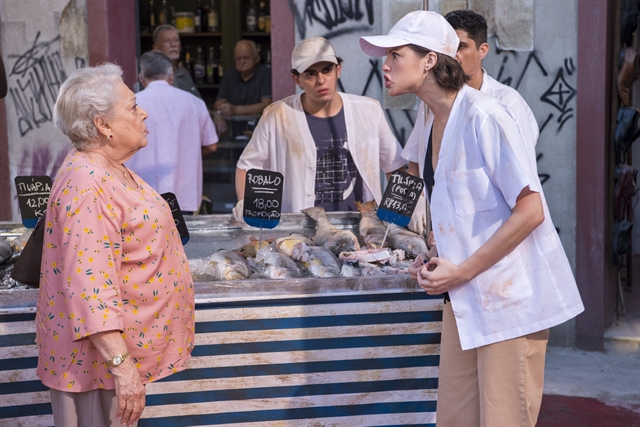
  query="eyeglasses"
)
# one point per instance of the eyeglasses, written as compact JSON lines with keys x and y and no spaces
{"x":311,"y":75}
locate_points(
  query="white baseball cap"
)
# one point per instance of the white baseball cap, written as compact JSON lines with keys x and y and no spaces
{"x":421,"y":28}
{"x":311,"y":51}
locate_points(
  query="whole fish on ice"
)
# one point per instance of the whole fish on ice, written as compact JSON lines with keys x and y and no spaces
{"x":276,"y":265}
{"x":371,"y":228}
{"x":328,"y":235}
{"x":320,"y":261}
{"x":285,"y":245}
{"x":410,"y":242}
{"x":229,"y":265}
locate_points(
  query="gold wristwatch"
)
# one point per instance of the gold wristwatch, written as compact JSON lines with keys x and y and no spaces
{"x":117,"y":359}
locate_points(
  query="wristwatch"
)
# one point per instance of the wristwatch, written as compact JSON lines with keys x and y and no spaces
{"x":117,"y":359}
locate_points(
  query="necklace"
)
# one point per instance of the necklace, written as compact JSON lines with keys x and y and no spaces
{"x":124,"y":172}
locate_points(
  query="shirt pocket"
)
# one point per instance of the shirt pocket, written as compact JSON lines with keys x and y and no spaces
{"x":505,"y":284}
{"x":472,"y":192}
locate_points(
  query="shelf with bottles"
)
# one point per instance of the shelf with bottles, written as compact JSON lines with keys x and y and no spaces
{"x":184,"y":35}
{"x":257,"y":15}
{"x":196,"y":16}
{"x":255,"y":34}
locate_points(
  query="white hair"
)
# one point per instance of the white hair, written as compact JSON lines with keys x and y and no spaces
{"x":87,"y":92}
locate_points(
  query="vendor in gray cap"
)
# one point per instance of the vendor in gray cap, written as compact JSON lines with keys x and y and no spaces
{"x":330,"y":146}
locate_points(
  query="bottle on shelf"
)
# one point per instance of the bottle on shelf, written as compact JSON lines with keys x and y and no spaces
{"x":162,"y":16}
{"x":198,"y":18}
{"x":173,"y":17}
{"x":209,"y":76}
{"x":261,"y":17}
{"x":216,"y":64}
{"x":268,"y":62}
{"x":198,"y":68}
{"x":213,"y":18}
{"x":188,"y":60}
{"x":220,"y":66}
{"x":252,"y":17}
{"x":152,"y":16}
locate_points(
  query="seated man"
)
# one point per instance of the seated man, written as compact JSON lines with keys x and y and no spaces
{"x":245,"y":89}
{"x":329,"y":146}
{"x":180,"y":133}
{"x":167,"y":40}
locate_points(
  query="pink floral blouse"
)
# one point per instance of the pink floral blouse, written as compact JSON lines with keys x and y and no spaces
{"x":112,"y":260}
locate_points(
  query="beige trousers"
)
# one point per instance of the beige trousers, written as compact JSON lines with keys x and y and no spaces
{"x":495,"y":385}
{"x":96,"y":408}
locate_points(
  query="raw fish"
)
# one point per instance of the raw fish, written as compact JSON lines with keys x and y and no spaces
{"x":285,"y":245}
{"x":318,"y":260}
{"x":228,"y":265}
{"x":371,"y":228}
{"x":328,"y":235}
{"x":276,"y":265}
{"x":349,"y":270}
{"x":410,"y":242}
{"x":5,"y":250}
{"x":250,"y":249}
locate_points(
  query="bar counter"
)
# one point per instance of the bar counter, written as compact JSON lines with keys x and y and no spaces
{"x":295,"y":352}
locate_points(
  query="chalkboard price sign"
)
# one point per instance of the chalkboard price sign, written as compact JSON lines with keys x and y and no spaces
{"x":400,"y":198}
{"x":262,"y":198}
{"x":172,"y":201}
{"x":33,"y":197}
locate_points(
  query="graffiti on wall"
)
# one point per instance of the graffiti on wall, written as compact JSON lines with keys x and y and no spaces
{"x":559,"y":92}
{"x":36,"y":70}
{"x":39,"y":73}
{"x":337,"y":17}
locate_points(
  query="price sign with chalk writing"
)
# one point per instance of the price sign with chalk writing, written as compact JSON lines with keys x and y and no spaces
{"x":400,"y":198}
{"x":172,"y":201}
{"x":33,"y":197}
{"x":262,"y":198}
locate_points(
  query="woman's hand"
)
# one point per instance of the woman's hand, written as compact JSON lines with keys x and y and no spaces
{"x":417,"y":265}
{"x":439,"y":276}
{"x":130,"y":392}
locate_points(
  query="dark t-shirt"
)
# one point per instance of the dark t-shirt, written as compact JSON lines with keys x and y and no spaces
{"x":428,"y":174}
{"x":238,"y":92}
{"x":338,"y":182}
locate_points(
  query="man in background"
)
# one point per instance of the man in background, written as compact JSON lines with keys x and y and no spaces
{"x":167,"y":40}
{"x":245,"y":89}
{"x":180,"y":133}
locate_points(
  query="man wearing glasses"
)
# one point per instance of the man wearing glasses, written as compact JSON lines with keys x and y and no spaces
{"x":330,"y":146}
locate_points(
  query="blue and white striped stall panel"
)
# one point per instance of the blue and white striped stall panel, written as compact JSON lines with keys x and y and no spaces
{"x":334,"y":360}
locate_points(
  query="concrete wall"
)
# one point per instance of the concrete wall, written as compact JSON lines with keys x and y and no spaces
{"x":43,"y":41}
{"x":547,"y":79}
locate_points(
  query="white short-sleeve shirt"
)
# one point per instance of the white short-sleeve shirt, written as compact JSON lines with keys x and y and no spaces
{"x":179,"y":126}
{"x":282,"y":142}
{"x":415,"y":149}
{"x":484,"y":163}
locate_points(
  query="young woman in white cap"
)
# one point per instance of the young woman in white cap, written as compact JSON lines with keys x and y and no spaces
{"x":501,"y":264}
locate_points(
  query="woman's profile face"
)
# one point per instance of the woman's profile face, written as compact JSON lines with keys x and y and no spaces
{"x":128,"y":127}
{"x":403,"y":70}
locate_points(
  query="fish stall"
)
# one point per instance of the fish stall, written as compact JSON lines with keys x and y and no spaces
{"x":289,"y":332}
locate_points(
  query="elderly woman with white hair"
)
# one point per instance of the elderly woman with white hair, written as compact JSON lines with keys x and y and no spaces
{"x":116,"y":303}
{"x":500,"y":260}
